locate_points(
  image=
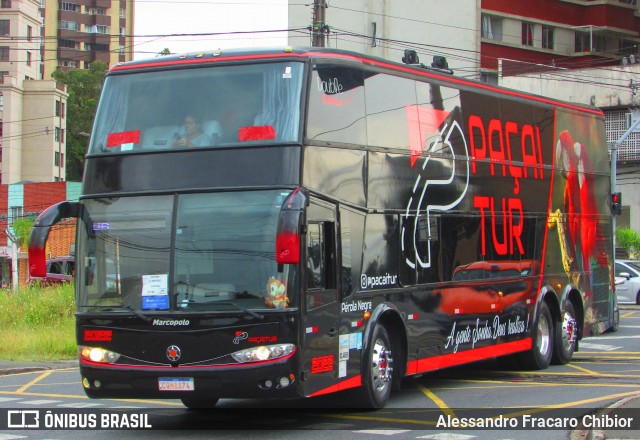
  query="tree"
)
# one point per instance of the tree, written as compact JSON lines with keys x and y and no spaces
{"x":84,"y":87}
{"x":22,"y":230}
{"x":164,"y":51}
{"x":628,"y":239}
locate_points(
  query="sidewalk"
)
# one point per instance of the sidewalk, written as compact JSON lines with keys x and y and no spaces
{"x":13,"y":367}
{"x":631,"y":404}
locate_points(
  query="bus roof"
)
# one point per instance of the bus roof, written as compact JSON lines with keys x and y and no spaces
{"x":304,"y":53}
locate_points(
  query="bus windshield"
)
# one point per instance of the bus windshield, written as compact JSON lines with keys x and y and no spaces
{"x":192,"y":252}
{"x":204,"y":107}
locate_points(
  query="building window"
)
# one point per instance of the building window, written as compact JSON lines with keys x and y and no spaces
{"x":68,"y":44}
{"x":16,"y":213}
{"x":58,"y":108}
{"x":122,"y":13}
{"x":547,"y":37}
{"x":583,"y":41}
{"x":29,"y":33}
{"x":5,"y":27}
{"x":72,"y":25}
{"x":28,"y":58}
{"x":59,"y":135}
{"x":66,"y":6}
{"x":101,"y":29}
{"x":4,"y":53}
{"x":491,"y":27}
{"x":5,"y":4}
{"x":489,"y":78}
{"x":2,"y":75}
{"x":527,"y":34}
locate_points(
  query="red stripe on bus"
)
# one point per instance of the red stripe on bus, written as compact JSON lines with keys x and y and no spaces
{"x":365,"y":61}
{"x":352,"y":382}
{"x":464,"y":357}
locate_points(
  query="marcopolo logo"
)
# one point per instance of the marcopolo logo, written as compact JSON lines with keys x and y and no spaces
{"x":367,"y":282}
{"x":171,"y":322}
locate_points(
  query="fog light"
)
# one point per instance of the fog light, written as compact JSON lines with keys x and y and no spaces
{"x":268,"y":383}
{"x":97,"y":383}
{"x":284,"y":382}
{"x":85,"y":383}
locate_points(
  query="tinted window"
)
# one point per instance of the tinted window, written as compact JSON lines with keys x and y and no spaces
{"x":207,"y":106}
{"x":390,"y":102}
{"x":336,"y":106}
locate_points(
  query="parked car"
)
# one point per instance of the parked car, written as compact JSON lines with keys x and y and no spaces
{"x":59,"y":270}
{"x":627,"y":274}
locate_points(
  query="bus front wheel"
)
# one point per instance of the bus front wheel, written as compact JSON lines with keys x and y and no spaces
{"x":539,"y":357}
{"x":377,"y":371}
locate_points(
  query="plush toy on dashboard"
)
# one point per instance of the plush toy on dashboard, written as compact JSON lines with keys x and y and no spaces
{"x":276,"y":294}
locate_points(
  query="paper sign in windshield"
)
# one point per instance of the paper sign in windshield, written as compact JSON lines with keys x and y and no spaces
{"x":155,"y":293}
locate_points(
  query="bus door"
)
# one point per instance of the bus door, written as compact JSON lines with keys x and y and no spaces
{"x":321,"y":305}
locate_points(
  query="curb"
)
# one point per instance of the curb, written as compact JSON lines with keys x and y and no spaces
{"x":600,"y":434}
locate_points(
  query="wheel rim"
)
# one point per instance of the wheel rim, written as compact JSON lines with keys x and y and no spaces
{"x":381,"y":366}
{"x":543,"y":340}
{"x":569,"y":333}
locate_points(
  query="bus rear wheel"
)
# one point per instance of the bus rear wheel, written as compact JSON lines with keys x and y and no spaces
{"x":539,"y":357}
{"x":208,"y":403}
{"x":377,"y":371}
{"x":566,"y":336}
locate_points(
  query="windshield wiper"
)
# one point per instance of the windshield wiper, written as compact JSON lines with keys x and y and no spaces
{"x":229,"y":303}
{"x":110,"y":308}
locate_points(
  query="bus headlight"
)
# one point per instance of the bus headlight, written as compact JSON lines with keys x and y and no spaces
{"x":96,"y":354}
{"x":263,"y":353}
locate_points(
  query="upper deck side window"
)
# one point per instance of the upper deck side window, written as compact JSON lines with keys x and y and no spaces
{"x":199,"y":107}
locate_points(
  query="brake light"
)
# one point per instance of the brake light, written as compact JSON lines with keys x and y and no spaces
{"x":256,"y":133}
{"x":288,"y":247}
{"x":37,"y":261}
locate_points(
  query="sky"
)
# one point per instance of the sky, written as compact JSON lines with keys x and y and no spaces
{"x":155,"y":19}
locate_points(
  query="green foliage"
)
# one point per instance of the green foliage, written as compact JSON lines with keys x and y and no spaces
{"x":22,"y":229}
{"x":84,"y":87}
{"x":628,"y":239}
{"x":38,"y":323}
{"x":164,"y":52}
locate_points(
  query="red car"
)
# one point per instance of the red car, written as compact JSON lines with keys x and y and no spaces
{"x":59,"y":270}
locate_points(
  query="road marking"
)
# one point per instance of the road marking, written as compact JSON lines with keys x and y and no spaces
{"x":438,"y":401}
{"x":447,"y":436}
{"x":41,"y":402}
{"x":34,"y":381}
{"x":11,"y":436}
{"x":80,"y":405}
{"x":601,"y":347}
{"x":584,"y":370}
{"x":8,"y":399}
{"x":382,"y":431}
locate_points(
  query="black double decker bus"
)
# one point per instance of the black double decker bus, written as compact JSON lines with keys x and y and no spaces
{"x":298,"y":222}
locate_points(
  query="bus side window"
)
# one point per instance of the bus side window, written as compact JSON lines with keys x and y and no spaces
{"x":320,"y":264}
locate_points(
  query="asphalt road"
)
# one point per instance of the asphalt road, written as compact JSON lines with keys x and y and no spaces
{"x":604,"y":373}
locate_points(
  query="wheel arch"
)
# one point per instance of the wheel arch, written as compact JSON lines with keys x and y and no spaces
{"x":390,"y":317}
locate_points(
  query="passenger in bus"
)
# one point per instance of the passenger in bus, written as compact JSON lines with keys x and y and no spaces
{"x":191,"y":134}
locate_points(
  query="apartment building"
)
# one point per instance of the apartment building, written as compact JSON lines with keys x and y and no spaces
{"x":79,"y":32}
{"x":32,"y":116}
{"x":566,"y":34}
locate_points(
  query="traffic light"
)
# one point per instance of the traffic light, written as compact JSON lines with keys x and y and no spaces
{"x":616,"y":203}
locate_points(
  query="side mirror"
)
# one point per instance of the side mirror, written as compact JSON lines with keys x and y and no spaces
{"x":626,"y":275}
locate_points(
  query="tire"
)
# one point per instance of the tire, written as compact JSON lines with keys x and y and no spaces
{"x":377,"y":371}
{"x":566,"y":336}
{"x":539,"y":357}
{"x":638,"y":298}
{"x":196,"y":404}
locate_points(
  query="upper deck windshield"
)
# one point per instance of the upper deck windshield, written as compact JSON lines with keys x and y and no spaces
{"x":192,"y":252}
{"x":199,"y":107}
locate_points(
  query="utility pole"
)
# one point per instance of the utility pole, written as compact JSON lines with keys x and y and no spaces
{"x":319,"y":26}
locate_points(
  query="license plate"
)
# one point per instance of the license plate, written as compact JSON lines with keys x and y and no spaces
{"x":176,"y":384}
